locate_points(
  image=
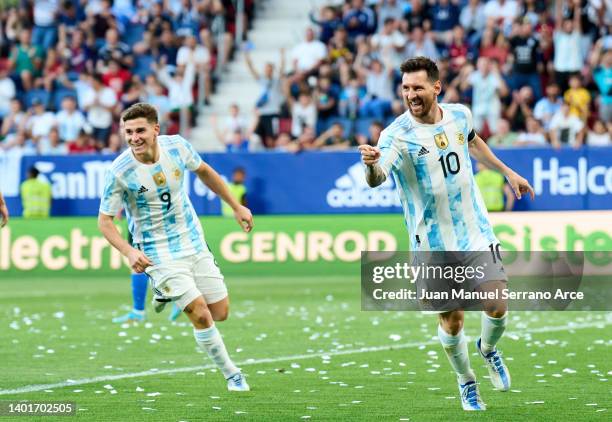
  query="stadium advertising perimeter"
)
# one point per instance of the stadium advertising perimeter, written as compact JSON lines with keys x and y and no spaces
{"x":309,"y":245}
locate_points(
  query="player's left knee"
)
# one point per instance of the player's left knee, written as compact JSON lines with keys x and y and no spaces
{"x":496,"y":310}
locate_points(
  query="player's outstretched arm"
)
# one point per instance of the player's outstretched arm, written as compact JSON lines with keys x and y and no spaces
{"x":482,"y":153}
{"x":137,"y":259}
{"x":4,"y":214}
{"x":211,"y":178}
{"x":370,"y":156}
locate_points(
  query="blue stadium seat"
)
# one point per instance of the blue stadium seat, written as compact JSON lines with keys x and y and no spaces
{"x":39,"y":94}
{"x":142,"y":65}
{"x":133,"y":34}
{"x":60,"y":94}
{"x":362,"y":126}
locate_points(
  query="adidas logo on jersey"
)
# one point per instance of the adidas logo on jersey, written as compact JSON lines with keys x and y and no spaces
{"x":142,"y":190}
{"x":352,"y":191}
{"x":422,"y":152}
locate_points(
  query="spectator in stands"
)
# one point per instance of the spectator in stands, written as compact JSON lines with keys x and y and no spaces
{"x":504,"y":137}
{"x":115,"y":77}
{"x":7,"y":92}
{"x":179,"y":86}
{"x":70,"y":121}
{"x":303,"y":112}
{"x":113,"y":48}
{"x":332,"y":139}
{"x":45,"y":23}
{"x":13,"y":122}
{"x":166,"y":51}
{"x":99,"y":103}
{"x":78,"y":54}
{"x":306,"y":140}
{"x":421,"y":44}
{"x":502,"y":13}
{"x":379,"y":89}
{"x":359,"y":20}
{"x":534,"y":135}
{"x":351,"y":99}
{"x":39,"y":123}
{"x":601,"y":62}
{"x":417,"y":16}
{"x":55,"y":146}
{"x":567,"y":41}
{"x":328,"y":21}
{"x":389,"y":43}
{"x":599,"y":136}
{"x":444,"y":17}
{"x":156,"y":96}
{"x":115,"y":145}
{"x":199,"y":56}
{"x":566,"y":129}
{"x":578,"y":98}
{"x":457,"y":49}
{"x":233,"y":123}
{"x":307,"y":55}
{"x":547,"y":106}
{"x":326,"y":98}
{"x":374,"y":132}
{"x":494,"y":45}
{"x":26,"y":59}
{"x":84,"y":144}
{"x":340,"y":47}
{"x":388,"y":9}
{"x":525,"y":56}
{"x":520,"y":108}
{"x":488,"y":87}
{"x":270,"y":98}
{"x":472,"y":17}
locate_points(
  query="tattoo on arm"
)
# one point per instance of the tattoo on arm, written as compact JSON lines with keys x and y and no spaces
{"x":374,"y":175}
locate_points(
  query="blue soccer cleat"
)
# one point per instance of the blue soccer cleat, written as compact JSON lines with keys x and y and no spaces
{"x":131,"y":316}
{"x":498,"y":372}
{"x":237,"y":382}
{"x":174,"y":313}
{"x":470,"y":396}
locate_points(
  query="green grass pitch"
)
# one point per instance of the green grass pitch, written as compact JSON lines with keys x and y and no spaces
{"x":308,"y":350}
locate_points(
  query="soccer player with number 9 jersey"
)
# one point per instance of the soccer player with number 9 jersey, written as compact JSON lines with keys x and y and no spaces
{"x":146,"y":181}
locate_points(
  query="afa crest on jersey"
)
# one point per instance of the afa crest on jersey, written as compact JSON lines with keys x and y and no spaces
{"x":177,"y":174}
{"x":441,"y":140}
{"x":460,"y":138}
{"x":160,"y":178}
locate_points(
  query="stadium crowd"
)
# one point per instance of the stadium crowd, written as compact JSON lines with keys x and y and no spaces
{"x":534,"y":73}
{"x":69,"y":67}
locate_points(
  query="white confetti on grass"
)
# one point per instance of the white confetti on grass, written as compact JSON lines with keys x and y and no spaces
{"x":591,"y":404}
{"x":148,"y":408}
{"x":216,"y":408}
{"x":138,"y":388}
{"x":395,"y":337}
{"x":155,"y":394}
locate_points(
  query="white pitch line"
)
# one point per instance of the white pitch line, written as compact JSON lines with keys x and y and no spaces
{"x":105,"y":378}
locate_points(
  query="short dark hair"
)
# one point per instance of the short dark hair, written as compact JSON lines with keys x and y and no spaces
{"x":139,"y":110}
{"x":416,"y":64}
{"x":33,"y":171}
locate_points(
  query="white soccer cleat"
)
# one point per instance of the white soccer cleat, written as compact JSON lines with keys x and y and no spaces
{"x":470,"y":396}
{"x":237,"y":382}
{"x":498,"y":372}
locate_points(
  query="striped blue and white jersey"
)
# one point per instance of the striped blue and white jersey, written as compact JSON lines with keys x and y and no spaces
{"x":160,"y":215}
{"x":431,"y":166}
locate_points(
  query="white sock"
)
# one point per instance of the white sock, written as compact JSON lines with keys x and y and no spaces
{"x":455,"y":348}
{"x":210,"y":340}
{"x":491,"y":331}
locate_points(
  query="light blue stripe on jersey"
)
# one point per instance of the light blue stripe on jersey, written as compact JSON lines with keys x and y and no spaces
{"x":430,"y":217}
{"x":111,"y":182}
{"x":192,"y":228}
{"x":145,"y":213}
{"x":168,"y":215}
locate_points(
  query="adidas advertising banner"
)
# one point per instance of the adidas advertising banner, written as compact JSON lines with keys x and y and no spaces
{"x":315,"y":245}
{"x":321,"y":182}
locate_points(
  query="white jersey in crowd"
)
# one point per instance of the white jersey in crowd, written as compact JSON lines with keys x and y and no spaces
{"x":431,"y":166}
{"x":161,"y":218}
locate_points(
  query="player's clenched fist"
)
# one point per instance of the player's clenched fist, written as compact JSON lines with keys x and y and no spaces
{"x":369,"y":154}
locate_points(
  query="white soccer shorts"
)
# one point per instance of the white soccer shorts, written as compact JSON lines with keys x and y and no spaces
{"x":184,"y":279}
